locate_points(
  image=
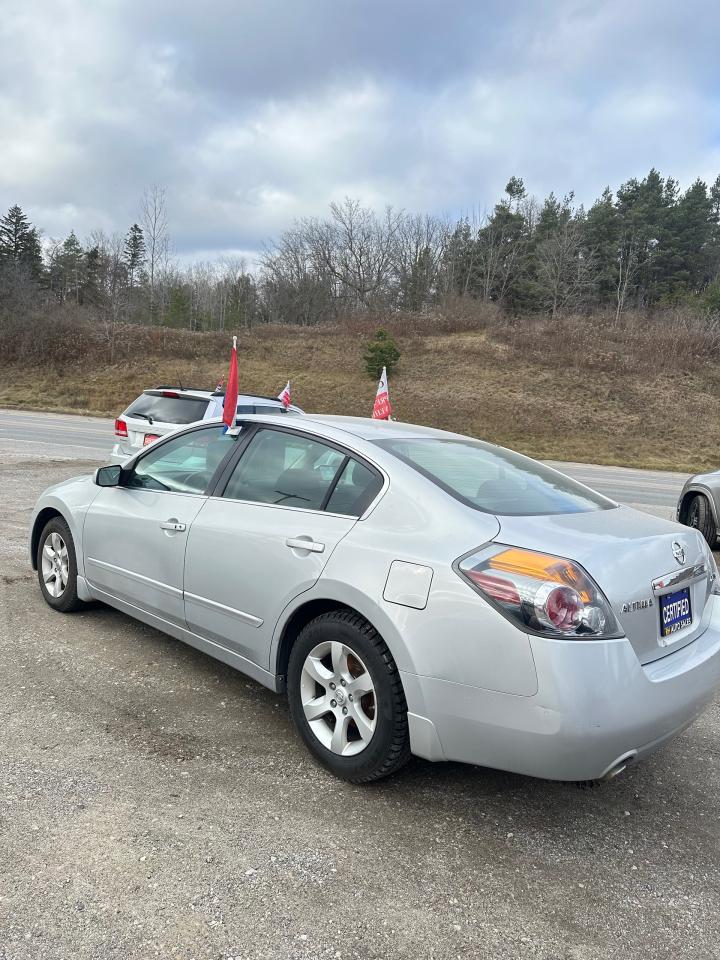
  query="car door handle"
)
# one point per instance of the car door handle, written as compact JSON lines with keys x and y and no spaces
{"x":172,"y":525}
{"x":304,"y":543}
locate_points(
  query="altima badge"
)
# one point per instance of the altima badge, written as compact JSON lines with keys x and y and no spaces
{"x":678,"y":552}
{"x":637,"y":605}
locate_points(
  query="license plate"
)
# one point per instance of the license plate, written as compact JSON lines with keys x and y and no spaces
{"x":149,"y":437}
{"x":675,"y":612}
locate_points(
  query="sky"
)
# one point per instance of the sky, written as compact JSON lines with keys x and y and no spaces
{"x":253,"y":114}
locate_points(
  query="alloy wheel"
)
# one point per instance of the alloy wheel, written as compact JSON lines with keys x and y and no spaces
{"x":55,"y":565}
{"x":338,"y":698}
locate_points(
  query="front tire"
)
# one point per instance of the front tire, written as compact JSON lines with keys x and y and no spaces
{"x":346,"y":698}
{"x":699,"y":515}
{"x":57,"y":566}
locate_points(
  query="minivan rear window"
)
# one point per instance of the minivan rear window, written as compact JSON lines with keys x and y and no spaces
{"x":168,"y":409}
{"x":493,"y":479}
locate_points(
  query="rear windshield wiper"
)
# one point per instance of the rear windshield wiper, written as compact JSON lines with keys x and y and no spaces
{"x":143,"y":415}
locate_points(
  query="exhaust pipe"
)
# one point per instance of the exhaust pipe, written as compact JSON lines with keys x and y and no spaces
{"x":619,"y":766}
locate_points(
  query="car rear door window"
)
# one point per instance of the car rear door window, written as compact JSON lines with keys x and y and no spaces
{"x":184,"y":464}
{"x":355,"y":490}
{"x":285,"y":469}
{"x":168,"y":409}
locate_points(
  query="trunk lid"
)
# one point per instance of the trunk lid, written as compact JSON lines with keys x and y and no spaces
{"x":636,"y":560}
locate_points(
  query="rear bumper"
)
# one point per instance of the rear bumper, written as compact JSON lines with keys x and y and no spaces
{"x":120,"y":453}
{"x":596,"y":706}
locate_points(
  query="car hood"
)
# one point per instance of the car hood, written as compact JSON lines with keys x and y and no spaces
{"x":624,"y":551}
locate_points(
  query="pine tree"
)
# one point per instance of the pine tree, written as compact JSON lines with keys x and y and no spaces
{"x":90,"y":291}
{"x":67,"y":269}
{"x":601,"y":242}
{"x":134,"y":254}
{"x":381,"y":351}
{"x":19,"y":242}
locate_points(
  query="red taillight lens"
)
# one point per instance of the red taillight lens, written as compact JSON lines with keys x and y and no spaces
{"x":501,"y":590}
{"x":539,"y":592}
{"x":149,"y":437}
{"x":559,"y":607}
{"x":120,"y":428}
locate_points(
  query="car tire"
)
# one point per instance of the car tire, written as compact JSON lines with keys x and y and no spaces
{"x":361,"y":737}
{"x":57,"y":566}
{"x":699,"y":515}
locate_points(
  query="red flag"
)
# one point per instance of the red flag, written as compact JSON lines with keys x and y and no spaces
{"x":231,"y":394}
{"x":382,"y":409}
{"x":284,"y":395}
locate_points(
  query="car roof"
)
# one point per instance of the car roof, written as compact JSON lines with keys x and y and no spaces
{"x":368,"y":429}
{"x":364,"y":428}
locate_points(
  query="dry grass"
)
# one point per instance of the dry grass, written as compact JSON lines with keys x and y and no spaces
{"x":568,"y":390}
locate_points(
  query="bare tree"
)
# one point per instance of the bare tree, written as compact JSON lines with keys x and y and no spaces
{"x":564,"y":268}
{"x":418,"y":254}
{"x":627,"y":266}
{"x":355,"y":247}
{"x":154,"y":223}
{"x":295,"y":286}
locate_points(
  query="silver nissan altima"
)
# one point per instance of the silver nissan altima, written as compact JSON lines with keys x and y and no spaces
{"x":413,"y":591}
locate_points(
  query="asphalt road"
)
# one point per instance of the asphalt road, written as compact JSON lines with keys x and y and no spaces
{"x":154,"y":803}
{"x":91,"y":438}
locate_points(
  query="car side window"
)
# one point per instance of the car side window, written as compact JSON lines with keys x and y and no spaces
{"x":355,"y":490}
{"x":285,"y":469}
{"x":185,"y":464}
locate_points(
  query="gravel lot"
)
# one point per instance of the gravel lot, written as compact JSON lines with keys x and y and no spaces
{"x":153,"y":803}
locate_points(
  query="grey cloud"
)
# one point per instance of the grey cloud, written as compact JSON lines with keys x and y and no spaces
{"x":251,"y":114}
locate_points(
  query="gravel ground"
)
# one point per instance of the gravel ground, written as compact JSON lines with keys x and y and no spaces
{"x":154,"y":803}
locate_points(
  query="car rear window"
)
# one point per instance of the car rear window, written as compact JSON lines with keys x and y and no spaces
{"x":168,"y":409}
{"x":495,"y":480}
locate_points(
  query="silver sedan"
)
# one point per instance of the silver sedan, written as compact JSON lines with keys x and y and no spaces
{"x":413,"y":591}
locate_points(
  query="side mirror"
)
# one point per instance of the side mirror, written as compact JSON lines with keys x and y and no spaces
{"x":108,"y":476}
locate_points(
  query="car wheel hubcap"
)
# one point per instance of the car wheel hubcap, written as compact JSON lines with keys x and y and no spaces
{"x":338,"y":698}
{"x":55,"y":565}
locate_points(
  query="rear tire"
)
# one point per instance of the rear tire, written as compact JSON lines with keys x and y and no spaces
{"x":346,"y":698}
{"x":699,"y":515}
{"x":57,"y":566}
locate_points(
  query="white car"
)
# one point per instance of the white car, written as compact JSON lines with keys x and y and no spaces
{"x":158,"y":412}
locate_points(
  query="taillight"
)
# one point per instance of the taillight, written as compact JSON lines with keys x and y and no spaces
{"x":539,"y":592}
{"x":149,"y":438}
{"x":120,"y":428}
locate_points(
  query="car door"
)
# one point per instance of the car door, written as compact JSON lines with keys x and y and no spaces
{"x":135,"y":534}
{"x":265,"y":540}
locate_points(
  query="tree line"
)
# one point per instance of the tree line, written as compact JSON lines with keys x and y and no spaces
{"x":648,"y":245}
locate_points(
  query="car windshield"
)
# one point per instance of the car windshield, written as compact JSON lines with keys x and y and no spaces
{"x":495,"y":480}
{"x":168,"y":409}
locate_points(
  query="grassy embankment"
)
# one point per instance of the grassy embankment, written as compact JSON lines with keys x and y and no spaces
{"x":639,"y":394}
